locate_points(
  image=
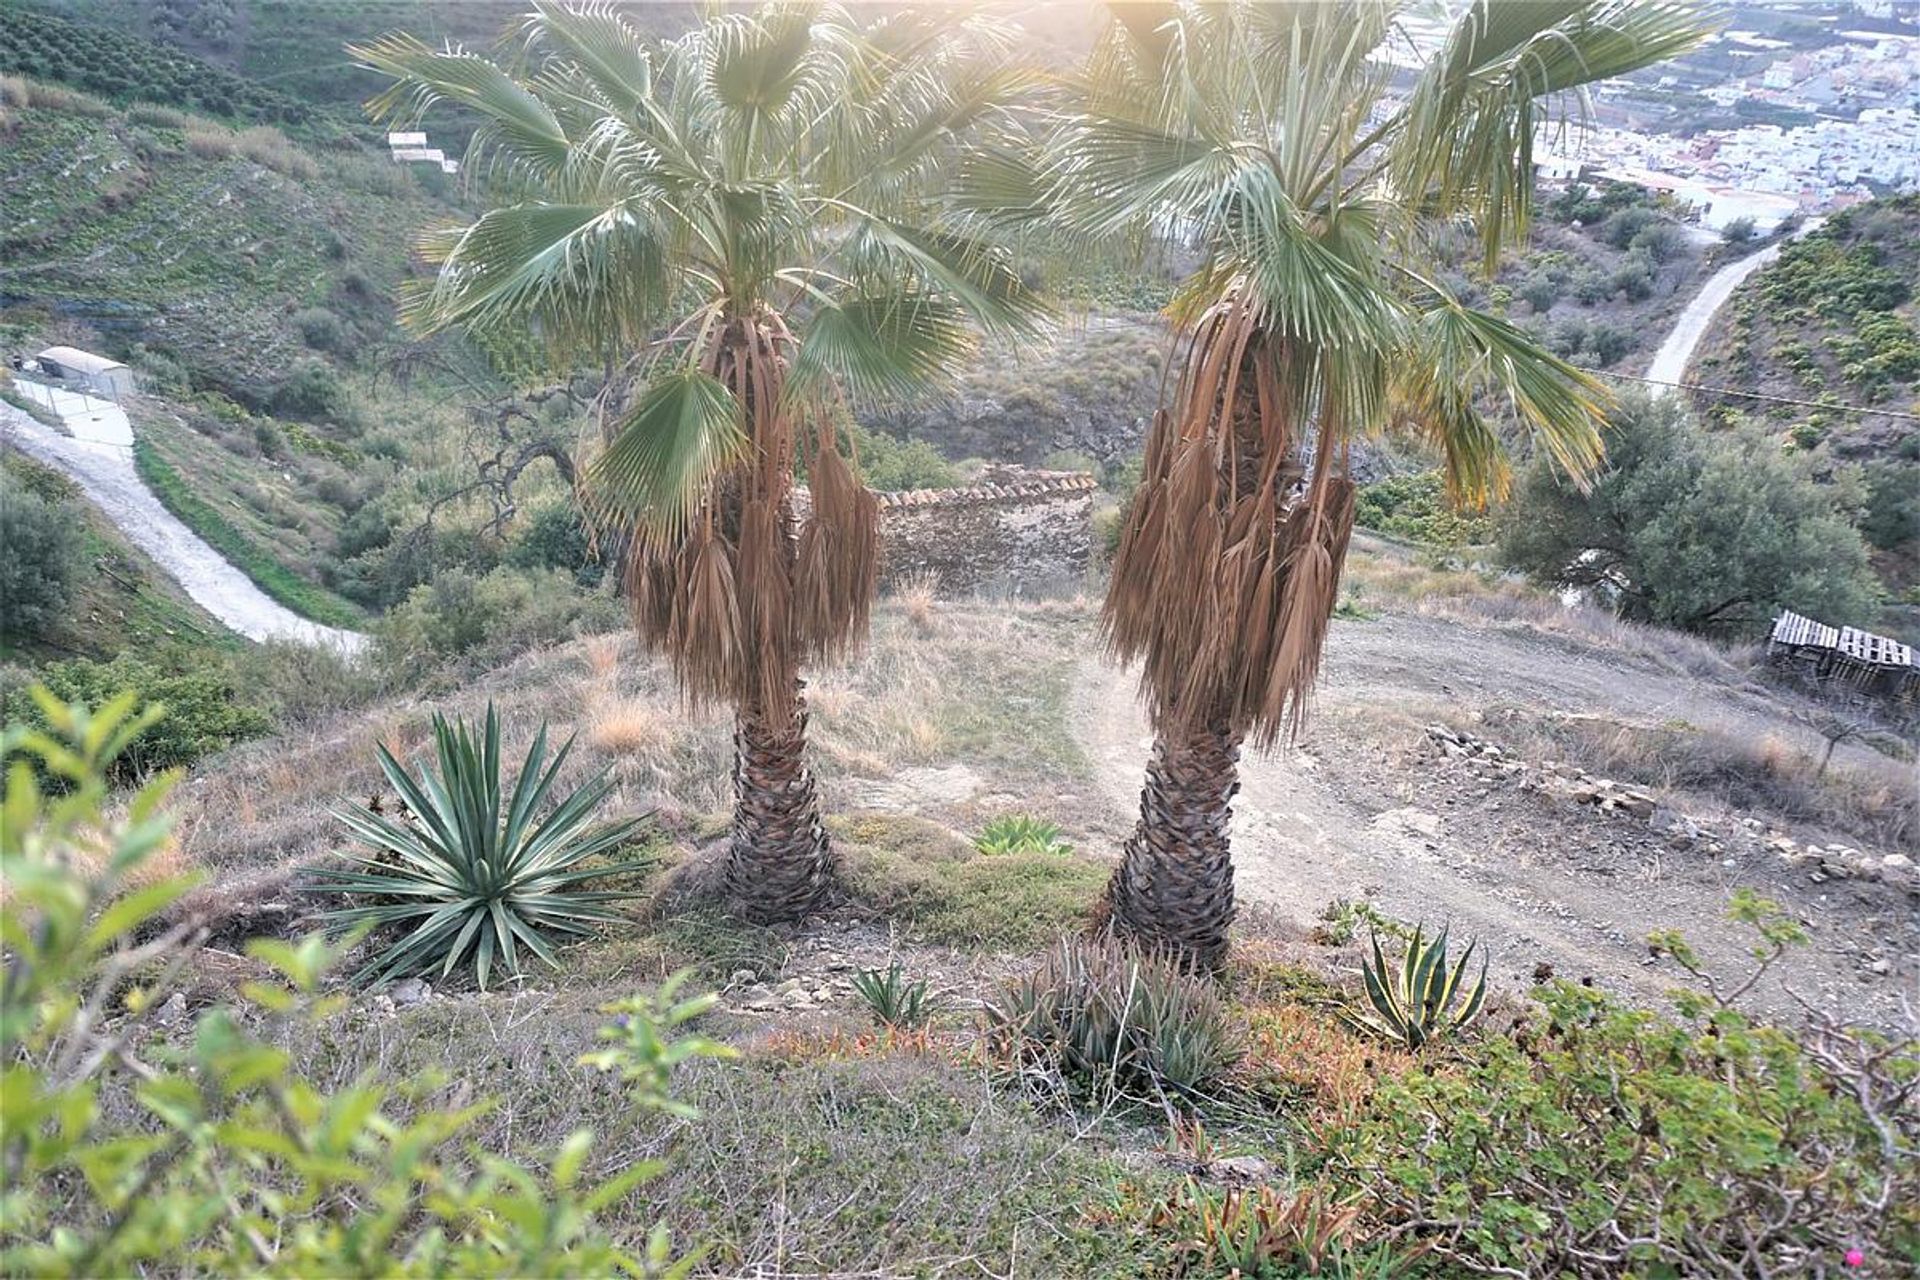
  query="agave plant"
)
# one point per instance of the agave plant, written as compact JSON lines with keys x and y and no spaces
{"x":469,"y":869}
{"x":1419,"y":1001}
{"x":895,"y":1001}
{"x":1019,"y":833}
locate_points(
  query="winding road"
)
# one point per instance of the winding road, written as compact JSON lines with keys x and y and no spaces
{"x":1676,"y":353}
{"x":106,"y":473}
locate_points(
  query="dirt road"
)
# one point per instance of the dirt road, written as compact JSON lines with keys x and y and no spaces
{"x":106,"y":473}
{"x":1360,"y":809}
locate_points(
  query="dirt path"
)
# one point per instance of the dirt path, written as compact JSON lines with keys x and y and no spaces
{"x":1670,"y":362}
{"x":1361,"y":809}
{"x":106,"y":473}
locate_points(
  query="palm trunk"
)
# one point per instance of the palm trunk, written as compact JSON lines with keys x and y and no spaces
{"x":780,"y":862}
{"x":1173,"y":889}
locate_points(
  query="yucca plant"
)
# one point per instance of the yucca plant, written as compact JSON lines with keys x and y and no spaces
{"x":470,"y":870}
{"x":1419,"y":1002}
{"x":895,"y":1001}
{"x":1019,"y":833}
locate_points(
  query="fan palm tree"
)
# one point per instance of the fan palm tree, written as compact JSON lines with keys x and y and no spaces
{"x":761,"y":218}
{"x":1268,"y":141}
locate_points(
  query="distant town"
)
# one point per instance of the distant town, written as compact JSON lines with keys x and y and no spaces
{"x":1789,"y":110}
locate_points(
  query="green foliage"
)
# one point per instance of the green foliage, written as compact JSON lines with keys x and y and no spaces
{"x":484,"y":619}
{"x":470,"y":873}
{"x":555,"y":537}
{"x":890,"y":464}
{"x":1605,"y":1140}
{"x":132,"y":1146}
{"x":110,"y":62}
{"x":309,"y":599}
{"x":895,"y":1001}
{"x":1704,"y":531}
{"x":646,"y":1058}
{"x":1021,"y":833}
{"x":1738,"y":232}
{"x":37,"y":568}
{"x":204,"y":708}
{"x":1416,"y":507}
{"x":312,"y":391}
{"x":1892,"y":517}
{"x":1103,"y":1016}
{"x":1420,"y":1001}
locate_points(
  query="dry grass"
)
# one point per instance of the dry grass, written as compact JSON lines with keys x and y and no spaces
{"x":630,"y":727}
{"x":918,"y":596}
{"x":18,"y":91}
{"x":262,"y":144}
{"x":1870,"y":801}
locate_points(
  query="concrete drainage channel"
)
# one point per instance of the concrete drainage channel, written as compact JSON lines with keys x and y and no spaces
{"x":98,"y":456}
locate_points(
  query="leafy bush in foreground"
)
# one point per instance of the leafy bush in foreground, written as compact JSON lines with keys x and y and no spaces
{"x":470,"y":876}
{"x":234,"y":1162}
{"x":1610,"y":1141}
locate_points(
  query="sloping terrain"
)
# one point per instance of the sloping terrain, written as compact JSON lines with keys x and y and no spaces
{"x":961,"y":712}
{"x":199,"y":243}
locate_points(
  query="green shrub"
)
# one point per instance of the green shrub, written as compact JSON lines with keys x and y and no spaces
{"x":1739,"y":231}
{"x":321,"y":329}
{"x":889,"y":464}
{"x":1103,"y":1016}
{"x":555,"y":537}
{"x":312,"y":391}
{"x":472,"y":874}
{"x":205,"y":708}
{"x":484,"y":620}
{"x":133,"y":1143}
{"x":1021,"y":833}
{"x":1416,"y":507}
{"x":37,"y":566}
{"x":1704,"y":531}
{"x":1604,"y":1140}
{"x":300,"y":684}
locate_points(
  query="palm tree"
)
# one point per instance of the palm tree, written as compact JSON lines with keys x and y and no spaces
{"x":761,"y":218}
{"x":1267,"y":141}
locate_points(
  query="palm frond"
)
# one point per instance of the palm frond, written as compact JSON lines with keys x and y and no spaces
{"x":882,"y":345}
{"x":597,"y":40}
{"x":516,"y":122}
{"x":684,"y":428}
{"x":1466,"y":142}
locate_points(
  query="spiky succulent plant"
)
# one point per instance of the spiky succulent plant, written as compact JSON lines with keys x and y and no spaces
{"x":469,"y":869}
{"x":1419,"y":1001}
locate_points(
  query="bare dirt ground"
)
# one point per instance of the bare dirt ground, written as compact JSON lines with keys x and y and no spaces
{"x":1362,"y":808}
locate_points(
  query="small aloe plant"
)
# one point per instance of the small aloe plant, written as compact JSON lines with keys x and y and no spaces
{"x":1419,"y":1001}
{"x":1021,"y":833}
{"x":895,"y":1001}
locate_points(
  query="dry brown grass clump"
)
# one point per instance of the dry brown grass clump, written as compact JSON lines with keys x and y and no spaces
{"x":262,"y":144}
{"x":18,"y":91}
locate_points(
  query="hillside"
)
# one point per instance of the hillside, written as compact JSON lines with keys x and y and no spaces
{"x":198,"y":244}
{"x":1836,"y":321}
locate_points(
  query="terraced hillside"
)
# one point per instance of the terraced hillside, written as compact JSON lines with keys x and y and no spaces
{"x":195,"y":241}
{"x":1834,"y":325}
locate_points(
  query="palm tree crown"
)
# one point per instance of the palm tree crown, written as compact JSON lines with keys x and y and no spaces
{"x":760,"y":218}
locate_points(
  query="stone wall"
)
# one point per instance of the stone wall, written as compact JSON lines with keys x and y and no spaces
{"x":1016,"y":532}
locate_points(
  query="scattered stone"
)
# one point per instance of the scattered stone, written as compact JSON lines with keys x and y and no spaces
{"x":1240,"y":1169}
{"x":1879,"y":968}
{"x":1673,"y":824}
{"x":410,"y":991}
{"x":741,"y":977}
{"x":173,"y":1010}
{"x":1896,"y":862}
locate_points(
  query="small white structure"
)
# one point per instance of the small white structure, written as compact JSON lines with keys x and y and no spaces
{"x":406,"y":140}
{"x":83,"y":371}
